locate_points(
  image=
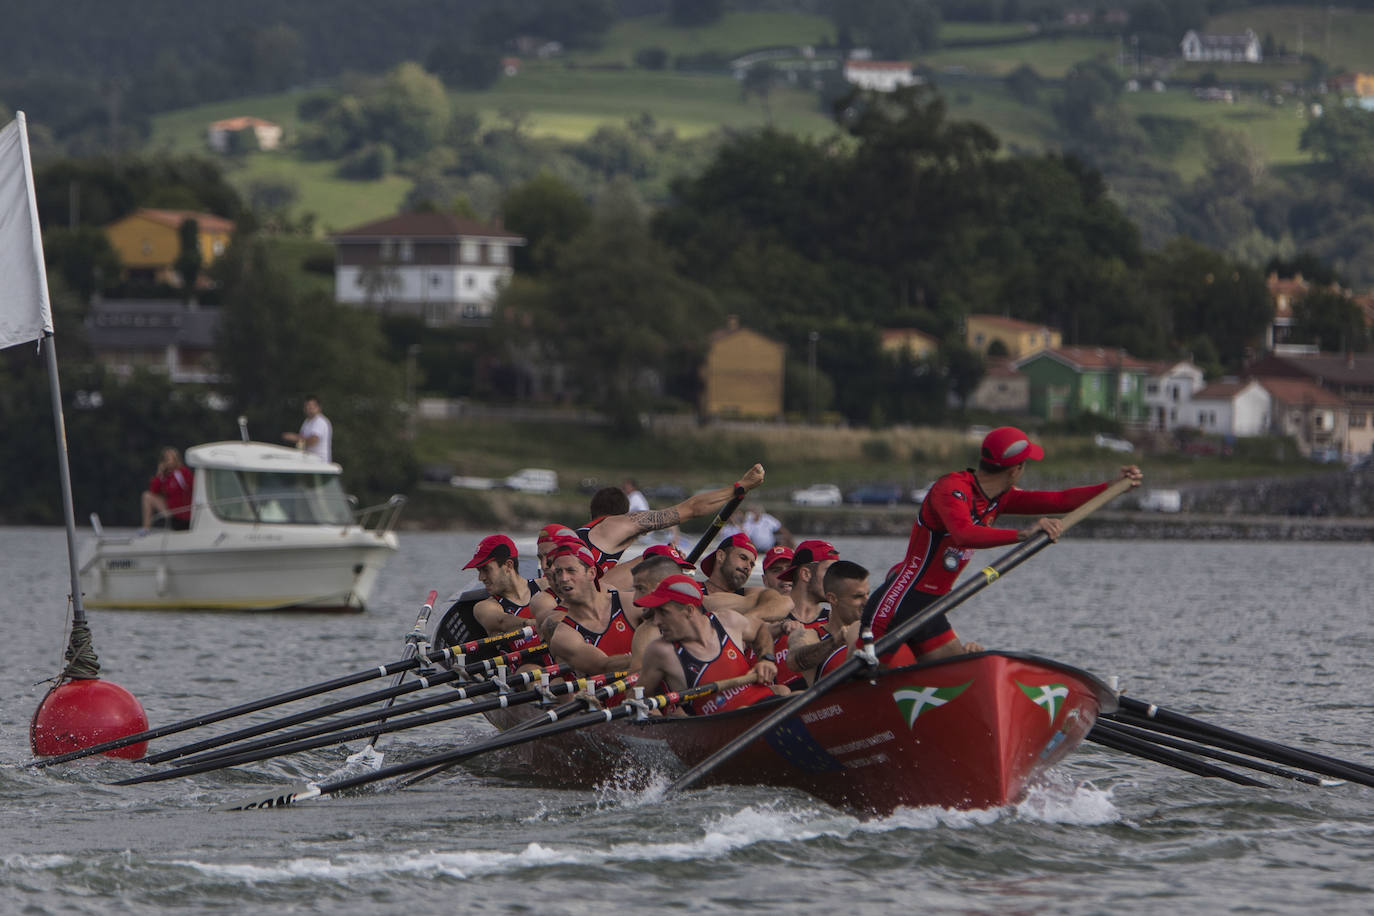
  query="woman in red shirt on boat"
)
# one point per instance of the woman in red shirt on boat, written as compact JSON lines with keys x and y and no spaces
{"x":956,"y":517}
{"x":699,"y":647}
{"x":169,"y":493}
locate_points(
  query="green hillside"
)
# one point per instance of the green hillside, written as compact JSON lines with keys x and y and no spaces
{"x":1343,"y":38}
{"x":731,"y":35}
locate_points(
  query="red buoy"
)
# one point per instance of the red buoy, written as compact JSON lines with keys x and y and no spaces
{"x":80,"y":713}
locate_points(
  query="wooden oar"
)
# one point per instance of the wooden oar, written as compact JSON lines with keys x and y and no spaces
{"x":393,"y":724}
{"x":1202,"y":750}
{"x":470,"y":692}
{"x":1120,"y":742}
{"x":301,"y":693}
{"x":1155,"y":718}
{"x":485,"y":667}
{"x":417,"y":637}
{"x":717,"y":523}
{"x":504,"y":740}
{"x":895,"y":637}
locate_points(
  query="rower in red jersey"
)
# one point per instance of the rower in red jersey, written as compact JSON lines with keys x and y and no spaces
{"x":697,"y":647}
{"x":775,"y":562}
{"x":956,"y":517}
{"x":508,"y":608}
{"x":816,"y":652}
{"x":592,"y":630}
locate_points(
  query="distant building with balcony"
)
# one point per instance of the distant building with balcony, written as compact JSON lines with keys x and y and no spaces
{"x":879,"y":75}
{"x":439,"y":267}
{"x":1242,"y":47}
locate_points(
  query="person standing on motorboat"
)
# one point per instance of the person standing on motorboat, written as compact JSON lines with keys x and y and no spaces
{"x":169,"y":493}
{"x":317,"y":433}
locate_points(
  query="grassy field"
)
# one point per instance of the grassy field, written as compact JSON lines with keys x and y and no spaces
{"x":733,"y":34}
{"x":1050,"y":57}
{"x":1343,"y":38}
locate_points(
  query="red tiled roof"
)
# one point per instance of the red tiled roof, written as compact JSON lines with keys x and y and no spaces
{"x":207,"y":222}
{"x":1300,"y":391}
{"x":425,"y":225}
{"x":1090,"y":358}
{"x":1222,"y":391}
{"x":1329,"y":368}
{"x":241,"y":122}
{"x":1012,"y":324}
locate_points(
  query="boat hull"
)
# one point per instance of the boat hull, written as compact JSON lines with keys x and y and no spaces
{"x":256,"y":568}
{"x":969,"y":732}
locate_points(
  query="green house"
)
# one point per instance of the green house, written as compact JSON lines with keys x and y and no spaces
{"x":1068,"y":381}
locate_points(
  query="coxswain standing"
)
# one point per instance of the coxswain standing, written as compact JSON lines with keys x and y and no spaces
{"x":697,"y":646}
{"x":955,"y":518}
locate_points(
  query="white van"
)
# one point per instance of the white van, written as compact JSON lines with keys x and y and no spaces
{"x":533,"y":480}
{"x":1161,"y":501}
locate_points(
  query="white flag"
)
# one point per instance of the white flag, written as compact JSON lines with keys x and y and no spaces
{"x":25,"y":312}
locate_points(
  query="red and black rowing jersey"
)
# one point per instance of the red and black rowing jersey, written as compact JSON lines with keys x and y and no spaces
{"x":956,"y":518}
{"x":619,"y":635}
{"x":730,"y":661}
{"x":604,"y":560}
{"x":523,"y":612}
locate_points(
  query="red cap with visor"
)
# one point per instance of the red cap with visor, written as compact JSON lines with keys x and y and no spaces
{"x":809,"y":552}
{"x":493,"y":547}
{"x":1007,"y":446}
{"x":679,"y":588}
{"x":740,"y":540}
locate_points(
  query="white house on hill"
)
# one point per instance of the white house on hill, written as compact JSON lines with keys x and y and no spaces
{"x":445,"y":269}
{"x":1241,"y":48}
{"x":1232,"y":407}
{"x":268,"y":134}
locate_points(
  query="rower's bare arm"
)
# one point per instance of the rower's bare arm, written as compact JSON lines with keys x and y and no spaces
{"x":644,"y":635}
{"x":805,"y":653}
{"x":771,"y":606}
{"x":707,"y":503}
{"x":572,"y":650}
{"x":494,"y":618}
{"x":543,"y":606}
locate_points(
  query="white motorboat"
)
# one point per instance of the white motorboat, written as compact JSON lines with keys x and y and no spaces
{"x":271,"y":528}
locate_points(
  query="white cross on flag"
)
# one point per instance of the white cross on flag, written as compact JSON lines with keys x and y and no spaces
{"x":25,"y":312}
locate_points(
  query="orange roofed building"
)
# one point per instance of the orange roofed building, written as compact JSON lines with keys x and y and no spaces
{"x":1018,"y":338}
{"x":743,"y":373}
{"x":148,"y":242}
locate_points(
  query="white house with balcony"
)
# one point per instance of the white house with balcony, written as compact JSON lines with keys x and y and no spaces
{"x":1168,"y":390}
{"x":442,"y":268}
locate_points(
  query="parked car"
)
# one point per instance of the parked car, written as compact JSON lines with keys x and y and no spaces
{"x":874,"y":494}
{"x":1113,"y":443}
{"x":818,"y":494}
{"x":1161,"y":501}
{"x":664,"y":494}
{"x":533,"y":480}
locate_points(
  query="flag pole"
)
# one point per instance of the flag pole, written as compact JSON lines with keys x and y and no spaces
{"x":81,"y":709}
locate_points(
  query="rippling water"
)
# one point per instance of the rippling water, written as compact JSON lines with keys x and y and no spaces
{"x":1271,"y":639}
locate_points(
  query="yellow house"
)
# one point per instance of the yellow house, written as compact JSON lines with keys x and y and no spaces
{"x":148,"y":242}
{"x":1018,"y":338}
{"x":1364,"y":85}
{"x":742,"y":374}
{"x":916,"y":344}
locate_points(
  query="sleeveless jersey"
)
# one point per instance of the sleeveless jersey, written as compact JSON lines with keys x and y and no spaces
{"x":605,"y":560}
{"x":618,"y":636}
{"x":729,"y":661}
{"x":522,"y":611}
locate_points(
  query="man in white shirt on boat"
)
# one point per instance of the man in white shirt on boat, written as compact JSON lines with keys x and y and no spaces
{"x":317,"y":433}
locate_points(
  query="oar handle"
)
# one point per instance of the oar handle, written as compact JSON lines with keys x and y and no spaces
{"x":418,"y":632}
{"x":717,"y":523}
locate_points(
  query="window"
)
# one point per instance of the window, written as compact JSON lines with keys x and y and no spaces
{"x":217,"y":247}
{"x":1152,"y":388}
{"x":407,"y":252}
{"x":1126,"y":383}
{"x":387,"y":249}
{"x":1358,"y":418}
{"x":497,"y":254}
{"x":469,"y":281}
{"x":435,"y":280}
{"x":469,"y":253}
{"x":276,"y":498}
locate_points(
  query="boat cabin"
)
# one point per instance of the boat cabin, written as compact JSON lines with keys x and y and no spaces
{"x":258,"y":483}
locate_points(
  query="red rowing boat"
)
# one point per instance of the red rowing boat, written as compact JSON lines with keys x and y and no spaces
{"x":973,"y":731}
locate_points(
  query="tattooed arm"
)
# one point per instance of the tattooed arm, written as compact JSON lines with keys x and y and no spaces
{"x":617,"y":532}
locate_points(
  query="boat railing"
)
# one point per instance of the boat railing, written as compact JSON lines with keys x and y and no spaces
{"x":382,"y":517}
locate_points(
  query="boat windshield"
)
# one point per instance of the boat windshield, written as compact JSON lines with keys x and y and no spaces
{"x":276,"y":498}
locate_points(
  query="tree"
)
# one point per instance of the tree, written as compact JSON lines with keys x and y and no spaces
{"x":611,"y":314}
{"x":1209,"y":296}
{"x":464,"y":66}
{"x":278,"y":342}
{"x":1342,"y":138}
{"x":189,"y":260}
{"x":548,"y":212}
{"x":894,"y":29}
{"x":692,"y":13}
{"x":1331,"y":320}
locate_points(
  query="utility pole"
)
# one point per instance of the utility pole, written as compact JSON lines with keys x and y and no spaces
{"x":811,"y":376}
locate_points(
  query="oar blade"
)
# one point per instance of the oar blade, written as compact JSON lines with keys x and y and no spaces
{"x":300,"y":793}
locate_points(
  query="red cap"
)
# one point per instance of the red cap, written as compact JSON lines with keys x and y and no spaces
{"x":741,"y":540}
{"x":669,"y":551}
{"x":679,"y":588}
{"x":1007,"y":446}
{"x":809,"y":552}
{"x":493,"y":547}
{"x":777,"y":554}
{"x":574,"y":547}
{"x":553,"y":532}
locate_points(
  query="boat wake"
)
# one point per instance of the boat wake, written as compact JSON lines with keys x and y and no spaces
{"x":723,"y":835}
